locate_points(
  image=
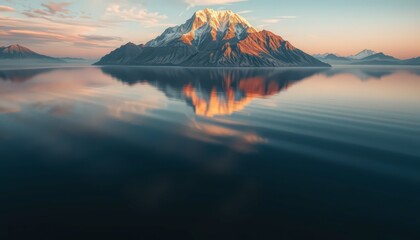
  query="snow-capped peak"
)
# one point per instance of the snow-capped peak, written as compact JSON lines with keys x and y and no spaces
{"x":205,"y":24}
{"x":363,"y":54}
{"x":15,"y":49}
{"x":222,"y":18}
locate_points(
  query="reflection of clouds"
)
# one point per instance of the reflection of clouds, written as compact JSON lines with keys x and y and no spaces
{"x":42,"y":89}
{"x":5,"y":109}
{"x":57,"y":91}
{"x":54,"y":108}
{"x":126,"y":110}
{"x":239,"y":140}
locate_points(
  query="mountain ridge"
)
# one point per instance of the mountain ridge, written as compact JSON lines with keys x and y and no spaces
{"x":371,"y":58}
{"x":362,"y":54}
{"x":17,"y":51}
{"x":213,"y":38}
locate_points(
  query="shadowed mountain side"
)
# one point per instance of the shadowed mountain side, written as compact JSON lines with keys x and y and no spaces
{"x":213,"y":92}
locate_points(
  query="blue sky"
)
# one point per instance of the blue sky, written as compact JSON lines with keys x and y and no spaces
{"x":83,"y":28}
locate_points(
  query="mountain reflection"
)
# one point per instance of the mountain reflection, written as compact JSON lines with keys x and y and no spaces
{"x":212,"y":92}
{"x":22,"y":75}
{"x":366,"y":73}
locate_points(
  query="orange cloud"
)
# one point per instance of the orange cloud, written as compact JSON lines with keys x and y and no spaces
{"x":135,"y":14}
{"x":54,"y":8}
{"x":6,"y":9}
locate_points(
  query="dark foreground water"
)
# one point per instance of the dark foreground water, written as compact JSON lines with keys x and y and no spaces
{"x":140,"y":153}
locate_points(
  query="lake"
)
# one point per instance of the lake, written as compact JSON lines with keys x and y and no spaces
{"x":141,"y":152}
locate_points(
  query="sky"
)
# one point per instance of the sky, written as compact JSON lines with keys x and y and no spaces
{"x":92,"y":28}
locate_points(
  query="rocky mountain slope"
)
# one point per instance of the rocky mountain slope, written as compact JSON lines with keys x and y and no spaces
{"x":213,"y":38}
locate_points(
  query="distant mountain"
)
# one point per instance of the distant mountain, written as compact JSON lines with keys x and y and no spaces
{"x":412,"y":61}
{"x":321,"y":55}
{"x":379,"y":56}
{"x":18,"y":52}
{"x":335,"y":57}
{"x":72,"y":59}
{"x":332,"y":59}
{"x":363,"y":54}
{"x":378,"y":59}
{"x":213,"y":38}
{"x":372,"y":58}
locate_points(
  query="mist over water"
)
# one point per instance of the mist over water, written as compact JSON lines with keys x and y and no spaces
{"x":226,"y":152}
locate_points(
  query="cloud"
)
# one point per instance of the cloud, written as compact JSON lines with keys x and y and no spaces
{"x":6,"y":9}
{"x":6,"y":110}
{"x":194,"y":3}
{"x":245,"y":12}
{"x":270,"y":20}
{"x":54,"y":8}
{"x":136,"y":14}
{"x":67,"y":19}
{"x":242,"y":141}
{"x":38,"y":33}
{"x":287,"y":17}
{"x":50,"y":10}
{"x":101,"y":38}
{"x":76,"y":40}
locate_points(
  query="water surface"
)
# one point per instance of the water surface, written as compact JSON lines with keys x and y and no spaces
{"x":208,"y":153}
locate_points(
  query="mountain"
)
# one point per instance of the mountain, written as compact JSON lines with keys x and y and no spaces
{"x":412,"y":61}
{"x":213,"y":38}
{"x":332,"y":59}
{"x":335,"y":57}
{"x":72,"y":59}
{"x":372,"y":58}
{"x":323,"y":55}
{"x":18,"y":52}
{"x":123,"y":55}
{"x":379,"y":56}
{"x":378,"y":59}
{"x":363,"y":54}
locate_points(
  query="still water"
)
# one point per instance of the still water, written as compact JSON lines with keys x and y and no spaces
{"x":135,"y":152}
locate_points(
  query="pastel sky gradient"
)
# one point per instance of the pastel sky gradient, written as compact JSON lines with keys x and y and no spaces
{"x":92,"y":28}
